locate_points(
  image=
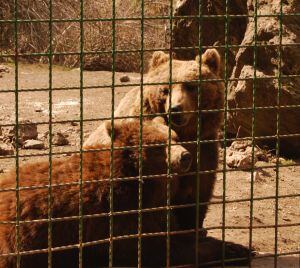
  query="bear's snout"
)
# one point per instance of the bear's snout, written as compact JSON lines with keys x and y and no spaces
{"x":181,"y":159}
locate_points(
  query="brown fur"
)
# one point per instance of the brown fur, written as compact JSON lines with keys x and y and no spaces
{"x":33,"y":203}
{"x":184,"y":92}
{"x":156,"y":99}
{"x":186,"y":95}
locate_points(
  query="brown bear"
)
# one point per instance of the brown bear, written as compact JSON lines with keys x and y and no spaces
{"x":108,"y":206}
{"x":185,"y":104}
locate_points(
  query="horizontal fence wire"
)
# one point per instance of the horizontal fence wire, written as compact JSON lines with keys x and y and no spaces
{"x":100,"y":52}
{"x":112,"y":19}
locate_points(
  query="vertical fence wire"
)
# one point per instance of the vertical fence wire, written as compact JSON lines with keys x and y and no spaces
{"x":198,"y":152}
{"x":140,"y":191}
{"x":16,"y":61}
{"x":80,"y":209}
{"x":253,"y":141}
{"x":111,"y":188}
{"x":225,"y":132}
{"x":169,"y":171}
{"x":50,"y":137}
{"x":278,"y":134}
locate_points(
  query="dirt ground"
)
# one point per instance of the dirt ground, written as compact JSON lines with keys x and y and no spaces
{"x":97,"y":104}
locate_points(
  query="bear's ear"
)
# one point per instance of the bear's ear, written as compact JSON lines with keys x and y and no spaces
{"x":157,"y":59}
{"x":212,"y":59}
{"x":109,"y":129}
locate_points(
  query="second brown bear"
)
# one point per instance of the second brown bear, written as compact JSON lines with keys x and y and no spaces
{"x":109,"y":209}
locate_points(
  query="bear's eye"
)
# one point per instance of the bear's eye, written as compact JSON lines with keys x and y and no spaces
{"x":165,"y":91}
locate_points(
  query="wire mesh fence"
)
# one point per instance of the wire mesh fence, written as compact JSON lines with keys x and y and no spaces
{"x":161,"y":181}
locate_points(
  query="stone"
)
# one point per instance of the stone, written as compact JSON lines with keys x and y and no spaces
{"x":240,"y":160}
{"x":7,"y":133}
{"x":60,"y":139}
{"x":240,"y":145}
{"x":33,"y":144}
{"x":6,"y":149}
{"x":124,"y":78}
{"x":38,"y":109}
{"x":4,"y":69}
{"x":27,"y":131}
{"x":239,"y":155}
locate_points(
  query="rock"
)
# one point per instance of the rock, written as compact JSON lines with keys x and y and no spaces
{"x":43,"y":136}
{"x":241,"y":31}
{"x":27,"y":131}
{"x":59,"y":139}
{"x":241,"y":92}
{"x":239,"y":155}
{"x":6,"y":149}
{"x":7,"y":133}
{"x":262,"y":156}
{"x":1,"y":170}
{"x":186,"y":30}
{"x":286,"y":219}
{"x":33,"y":144}
{"x":239,"y":160}
{"x":4,"y":69}
{"x":240,"y":145}
{"x":38,"y":109}
{"x":124,"y":78}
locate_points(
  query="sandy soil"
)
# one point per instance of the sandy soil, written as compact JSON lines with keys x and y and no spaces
{"x":34,"y":106}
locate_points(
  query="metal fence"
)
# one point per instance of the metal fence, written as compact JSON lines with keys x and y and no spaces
{"x":166,"y":233}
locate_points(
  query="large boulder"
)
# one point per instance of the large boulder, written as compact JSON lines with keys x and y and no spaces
{"x":277,"y":64}
{"x":212,"y":26}
{"x":267,"y":69}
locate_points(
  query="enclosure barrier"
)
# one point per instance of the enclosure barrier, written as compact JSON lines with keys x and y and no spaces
{"x":16,"y":55}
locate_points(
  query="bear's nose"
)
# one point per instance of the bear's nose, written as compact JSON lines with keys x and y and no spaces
{"x":176,"y":108}
{"x":185,"y":161}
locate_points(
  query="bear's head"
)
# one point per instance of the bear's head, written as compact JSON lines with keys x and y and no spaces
{"x":183,"y":91}
{"x":155,"y":153}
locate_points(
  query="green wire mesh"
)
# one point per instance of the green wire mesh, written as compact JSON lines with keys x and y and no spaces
{"x":17,"y":55}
